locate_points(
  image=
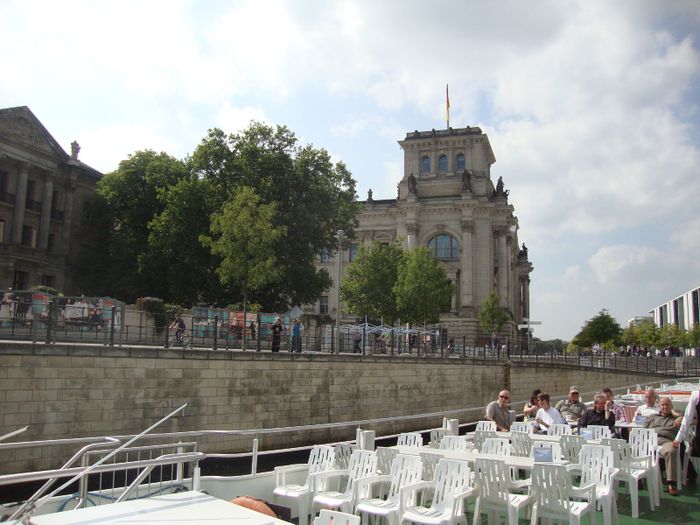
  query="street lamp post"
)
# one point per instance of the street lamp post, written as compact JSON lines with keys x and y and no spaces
{"x":341,"y":233}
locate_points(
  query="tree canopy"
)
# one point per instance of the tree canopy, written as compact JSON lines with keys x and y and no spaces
{"x":314,"y":198}
{"x":158,"y":209}
{"x":423,"y":289}
{"x":368,"y":285}
{"x":602,"y":329}
{"x":492,"y":316}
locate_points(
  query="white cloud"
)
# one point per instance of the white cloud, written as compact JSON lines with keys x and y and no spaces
{"x":572,"y":273}
{"x":615,"y":264}
{"x":233,"y":119}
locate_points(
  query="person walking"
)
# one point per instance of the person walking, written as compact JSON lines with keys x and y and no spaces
{"x":276,"y":330}
{"x":296,"y":336}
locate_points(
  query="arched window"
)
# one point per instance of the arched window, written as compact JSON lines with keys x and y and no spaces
{"x":444,"y":247}
{"x":459,"y":163}
{"x":442,"y":164}
{"x":425,"y":164}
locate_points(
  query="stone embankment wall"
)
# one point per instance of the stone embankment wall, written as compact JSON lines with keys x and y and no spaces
{"x":76,"y":391}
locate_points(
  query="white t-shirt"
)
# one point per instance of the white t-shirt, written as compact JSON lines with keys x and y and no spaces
{"x":645,"y":411}
{"x":550,"y":417}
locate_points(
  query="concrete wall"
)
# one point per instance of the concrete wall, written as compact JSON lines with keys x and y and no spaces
{"x":76,"y":391}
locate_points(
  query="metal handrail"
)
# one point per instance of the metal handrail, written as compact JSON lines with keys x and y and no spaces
{"x":54,"y":474}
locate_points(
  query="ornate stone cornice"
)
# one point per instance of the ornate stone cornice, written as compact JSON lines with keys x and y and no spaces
{"x":467,"y":225}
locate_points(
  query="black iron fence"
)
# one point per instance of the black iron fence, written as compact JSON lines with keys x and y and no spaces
{"x":42,"y":318}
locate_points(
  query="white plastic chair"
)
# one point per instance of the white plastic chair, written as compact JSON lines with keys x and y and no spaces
{"x":600,"y":431}
{"x":436,"y":436}
{"x":480,"y":436}
{"x":333,"y":517}
{"x":430,"y":461}
{"x":385,"y":457}
{"x":521,"y":426}
{"x":559,"y":429}
{"x":631,"y":471}
{"x":521,"y":443}
{"x":486,"y":425}
{"x":644,"y":443}
{"x":405,"y":470}
{"x":571,"y":447}
{"x":454,"y":443}
{"x":493,"y":483}
{"x":410,"y":439}
{"x":552,"y":492}
{"x":343,"y":452}
{"x":287,"y":480}
{"x":596,"y":466}
{"x":496,"y":446}
{"x":450,"y":489}
{"x":363,"y":463}
{"x":546,"y":445}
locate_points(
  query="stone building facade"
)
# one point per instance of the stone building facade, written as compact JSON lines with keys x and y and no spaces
{"x":447,"y":201}
{"x":45,"y":204}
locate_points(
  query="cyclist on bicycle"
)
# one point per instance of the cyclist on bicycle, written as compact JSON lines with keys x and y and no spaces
{"x":181,"y":327}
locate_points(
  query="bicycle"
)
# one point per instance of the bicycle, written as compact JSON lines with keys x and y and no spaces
{"x":185,"y":341}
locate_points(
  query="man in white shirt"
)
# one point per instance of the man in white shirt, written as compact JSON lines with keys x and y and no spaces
{"x":691,"y":412}
{"x":547,"y":415}
{"x":651,"y":407}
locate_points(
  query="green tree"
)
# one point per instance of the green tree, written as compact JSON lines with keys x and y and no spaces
{"x":423,"y":289}
{"x":130,"y":201}
{"x":244,"y":237}
{"x":174,"y":255}
{"x":314,"y":198}
{"x":602,"y":329}
{"x":647,"y":333}
{"x":368,"y":285}
{"x":492,"y":316}
{"x":670,"y":335}
{"x":693,"y":337}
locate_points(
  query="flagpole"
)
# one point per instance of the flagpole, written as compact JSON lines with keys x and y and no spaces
{"x":447,"y":104}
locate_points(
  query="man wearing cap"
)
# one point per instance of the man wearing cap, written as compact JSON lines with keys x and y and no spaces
{"x":571,"y":408}
{"x":499,"y":412}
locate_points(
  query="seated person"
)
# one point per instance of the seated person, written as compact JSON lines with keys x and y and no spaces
{"x":499,"y":412}
{"x":532,"y":406}
{"x":650,"y":408}
{"x":572,"y":407}
{"x":599,"y":414}
{"x":614,"y":407}
{"x":547,"y":415}
{"x":666,"y":425}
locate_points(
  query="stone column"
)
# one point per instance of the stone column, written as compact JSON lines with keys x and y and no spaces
{"x":467,"y":262}
{"x":45,"y":219}
{"x":20,"y":203}
{"x":67,"y":216}
{"x":502,"y":267}
{"x":412,"y":231}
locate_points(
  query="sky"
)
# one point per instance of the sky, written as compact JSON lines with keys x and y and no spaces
{"x":592,"y":109}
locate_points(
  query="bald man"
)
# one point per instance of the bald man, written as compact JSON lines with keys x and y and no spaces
{"x":499,"y":412}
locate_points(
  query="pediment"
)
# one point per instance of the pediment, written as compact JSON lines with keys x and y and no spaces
{"x":20,"y":124}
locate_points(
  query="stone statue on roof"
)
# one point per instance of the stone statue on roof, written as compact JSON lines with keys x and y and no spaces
{"x":412,"y":185}
{"x":499,"y":186}
{"x":466,"y":181}
{"x":369,"y":195}
{"x":74,"y":150}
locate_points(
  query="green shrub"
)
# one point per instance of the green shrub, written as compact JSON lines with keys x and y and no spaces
{"x":155,"y":309}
